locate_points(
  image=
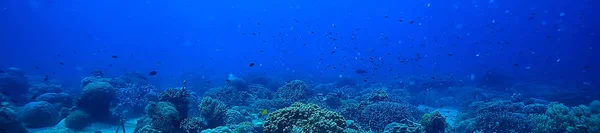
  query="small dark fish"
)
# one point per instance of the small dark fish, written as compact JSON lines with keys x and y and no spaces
{"x":5,"y":93}
{"x":227,"y":80}
{"x":386,"y":16}
{"x":114,"y":56}
{"x":2,"y":71}
{"x":61,"y":63}
{"x":515,"y":64}
{"x":46,"y":77}
{"x":37,"y":67}
{"x":262,"y":51}
{"x":251,"y":64}
{"x":360,"y":71}
{"x":152,"y":73}
{"x":109,"y":65}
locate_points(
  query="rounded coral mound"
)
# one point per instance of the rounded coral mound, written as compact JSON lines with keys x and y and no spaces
{"x":59,"y":100}
{"x":213,"y":111}
{"x":38,"y":114}
{"x":434,"y":122}
{"x":14,"y":82}
{"x":376,"y":116}
{"x":308,"y":118}
{"x":181,"y":98}
{"x":404,"y":126}
{"x":95,"y":99}
{"x":229,"y":95}
{"x":8,"y":120}
{"x":294,"y":90}
{"x":78,"y":120}
{"x":164,"y":115}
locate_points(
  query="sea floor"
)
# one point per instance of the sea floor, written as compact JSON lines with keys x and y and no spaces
{"x":103,"y":128}
{"x":130,"y":124}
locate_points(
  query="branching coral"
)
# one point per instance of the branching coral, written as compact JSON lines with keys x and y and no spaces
{"x":305,"y":118}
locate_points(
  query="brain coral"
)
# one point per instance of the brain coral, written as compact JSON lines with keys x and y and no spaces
{"x":31,"y":114}
{"x":306,"y":118}
{"x":294,"y":90}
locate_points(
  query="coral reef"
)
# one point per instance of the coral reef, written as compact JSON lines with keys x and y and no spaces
{"x":8,"y":120}
{"x":237,"y":115}
{"x":560,"y":118}
{"x":305,"y":118}
{"x":229,"y":95}
{"x":213,"y":111}
{"x":59,"y":100}
{"x":40,"y":88}
{"x":494,"y":116}
{"x":164,"y":116}
{"x":192,"y":125}
{"x":344,"y":82}
{"x":133,"y":78}
{"x":270,"y":105}
{"x":295,"y":90}
{"x":78,"y":120}
{"x":376,"y":116}
{"x":14,"y":84}
{"x":31,"y":113}
{"x":434,"y":122}
{"x":403,"y":126}
{"x":134,"y":98}
{"x":181,"y":98}
{"x":260,"y":91}
{"x":95,"y":100}
{"x":237,"y":83}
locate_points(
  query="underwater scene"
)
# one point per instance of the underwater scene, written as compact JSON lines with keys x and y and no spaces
{"x":299,"y":66}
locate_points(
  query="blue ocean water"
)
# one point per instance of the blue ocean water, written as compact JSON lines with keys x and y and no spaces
{"x":522,"y":59}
